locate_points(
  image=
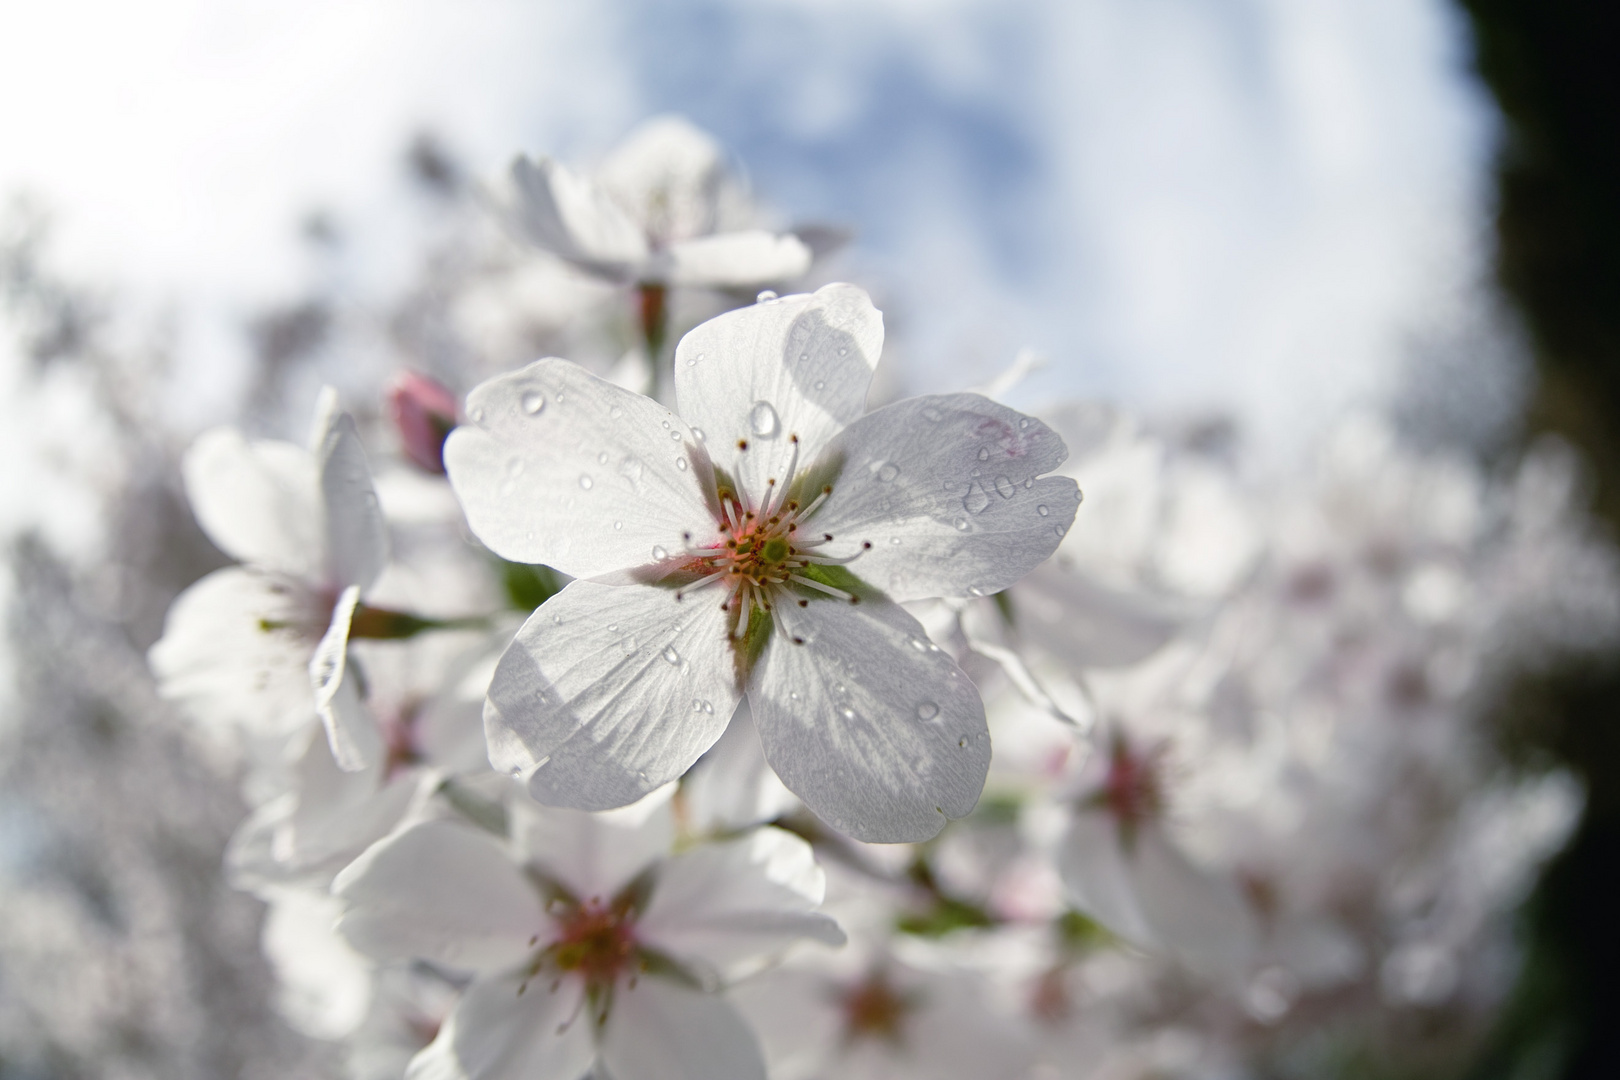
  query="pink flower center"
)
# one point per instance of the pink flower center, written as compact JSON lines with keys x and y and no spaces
{"x":597,"y":942}
{"x":875,"y":1009}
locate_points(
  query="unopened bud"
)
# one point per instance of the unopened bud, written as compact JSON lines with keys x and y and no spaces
{"x":424,"y":412}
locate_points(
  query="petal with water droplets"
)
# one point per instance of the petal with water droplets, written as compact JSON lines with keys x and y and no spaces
{"x":535,"y":433}
{"x":809,"y":357}
{"x":586,"y":706}
{"x":959,"y":481}
{"x":838,"y":718}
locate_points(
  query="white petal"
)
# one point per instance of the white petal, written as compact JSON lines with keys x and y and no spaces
{"x":497,"y":1033}
{"x":733,"y":786}
{"x":669,"y":174}
{"x":234,"y":656}
{"x":308,"y":834}
{"x":323,"y":986}
{"x":440,"y":891}
{"x":560,"y":467}
{"x":609,"y":692}
{"x":874,"y":727}
{"x":736,"y":260}
{"x":352,"y":733}
{"x":595,"y":855}
{"x":732,"y":907}
{"x":1094,"y":868}
{"x":660,"y":1031}
{"x":1200,"y":916}
{"x":1089,"y":624}
{"x":800,"y":365}
{"x":356,"y":534}
{"x":258,"y":501}
{"x":576,"y":218}
{"x":950,"y":492}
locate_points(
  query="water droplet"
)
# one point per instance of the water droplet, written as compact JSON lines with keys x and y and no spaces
{"x":962,"y":524}
{"x":847,"y":713}
{"x":666,"y":425}
{"x":763,"y":420}
{"x":533,"y":401}
{"x":977,"y":500}
{"x":888,"y":472}
{"x":670,"y":655}
{"x":803,"y":357}
{"x":675,"y":435}
{"x":477,"y":416}
{"x":1023,"y":423}
{"x":919,"y":644}
{"x":602,"y":458}
{"x":984,"y":453}
{"x":962,"y":742}
{"x":559,"y":397}
{"x":793,"y":695}
{"x":1042,"y":510}
{"x":702,"y":707}
{"x":585,"y":482}
{"x":680,"y":463}
{"x":765,"y":295}
{"x":1004,"y":487}
{"x":618,"y":526}
{"x":615,"y":412}
{"x":557,"y":619}
{"x":1029,"y":482}
{"x":933,"y":414}
{"x":1059,"y":529}
{"x":517,"y":772}
{"x":697,"y":433}
{"x":974,"y":590}
{"x":820,"y":385}
{"x":659,"y":554}
{"x":843,"y":350}
{"x":613,"y":628}
{"x":642,"y":776}
{"x":927,"y":710}
{"x":895,"y":540}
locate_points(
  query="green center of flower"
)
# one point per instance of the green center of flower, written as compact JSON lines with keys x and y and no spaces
{"x":759,"y":551}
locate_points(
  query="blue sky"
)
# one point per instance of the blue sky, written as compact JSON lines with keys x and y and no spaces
{"x":1250,"y":205}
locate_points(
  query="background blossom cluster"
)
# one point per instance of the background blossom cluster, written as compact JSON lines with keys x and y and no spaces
{"x":1241,"y":813}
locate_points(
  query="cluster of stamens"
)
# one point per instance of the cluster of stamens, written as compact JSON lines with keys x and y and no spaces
{"x":597,"y":943}
{"x":761,"y":550}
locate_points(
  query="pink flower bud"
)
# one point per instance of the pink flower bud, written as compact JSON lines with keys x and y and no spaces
{"x":425,"y":414}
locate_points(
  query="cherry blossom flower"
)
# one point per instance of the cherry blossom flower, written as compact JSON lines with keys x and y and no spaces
{"x":242,"y":647}
{"x":756,"y":544}
{"x":1125,"y":869}
{"x":586,"y":939}
{"x":660,"y":210}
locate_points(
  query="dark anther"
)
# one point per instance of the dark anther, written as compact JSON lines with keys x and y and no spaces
{"x":798,"y":640}
{"x":866,"y":545}
{"x":804,"y":603}
{"x":742,"y":444}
